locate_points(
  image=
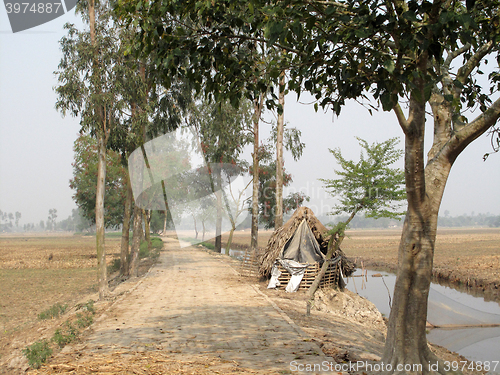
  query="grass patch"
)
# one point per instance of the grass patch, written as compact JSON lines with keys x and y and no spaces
{"x":156,"y":244}
{"x":208,"y":245}
{"x":37,"y":353}
{"x":53,"y":312}
{"x":193,"y":241}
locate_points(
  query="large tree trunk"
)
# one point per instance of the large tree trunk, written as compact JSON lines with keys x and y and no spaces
{"x":406,"y":344}
{"x":278,"y":211}
{"x":124,"y":252}
{"x":102,"y":276}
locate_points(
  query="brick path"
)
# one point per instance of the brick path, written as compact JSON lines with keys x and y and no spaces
{"x":192,"y":304}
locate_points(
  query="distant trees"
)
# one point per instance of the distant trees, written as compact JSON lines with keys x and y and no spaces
{"x":224,"y":131}
{"x":51,"y":219}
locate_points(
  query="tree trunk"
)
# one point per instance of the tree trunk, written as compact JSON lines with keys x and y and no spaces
{"x":255,"y":171}
{"x":147,"y":230}
{"x":278,"y":211}
{"x":99,"y":221}
{"x":230,"y":239}
{"x":136,"y":242}
{"x":195,"y":226}
{"x":218,"y":219}
{"x":406,"y":343}
{"x":124,"y":252}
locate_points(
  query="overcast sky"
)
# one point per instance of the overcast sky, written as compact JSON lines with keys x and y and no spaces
{"x":36,"y":141}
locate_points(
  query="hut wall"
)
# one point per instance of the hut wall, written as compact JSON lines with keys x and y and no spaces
{"x":331,"y":277}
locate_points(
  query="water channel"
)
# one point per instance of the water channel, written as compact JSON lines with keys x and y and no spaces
{"x":447,"y":306}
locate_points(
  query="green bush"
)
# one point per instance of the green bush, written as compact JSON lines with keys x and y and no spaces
{"x":64,"y":337}
{"x":53,"y":312}
{"x":115,"y":266}
{"x":37,"y":353}
{"x":84,"y":319}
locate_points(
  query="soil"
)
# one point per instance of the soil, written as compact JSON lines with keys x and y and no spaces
{"x":192,"y":313}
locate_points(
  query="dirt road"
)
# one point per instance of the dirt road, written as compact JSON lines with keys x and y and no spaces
{"x":190,"y":314}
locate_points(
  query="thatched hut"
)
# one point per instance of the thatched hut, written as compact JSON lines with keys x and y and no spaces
{"x":304,"y":239}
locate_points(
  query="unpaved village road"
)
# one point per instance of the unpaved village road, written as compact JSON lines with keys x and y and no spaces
{"x":190,"y":313}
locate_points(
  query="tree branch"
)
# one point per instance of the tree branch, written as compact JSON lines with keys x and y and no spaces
{"x":474,"y":129}
{"x":403,"y":122}
{"x":474,"y":61}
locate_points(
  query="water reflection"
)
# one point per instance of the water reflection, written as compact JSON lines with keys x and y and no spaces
{"x":446,"y":307}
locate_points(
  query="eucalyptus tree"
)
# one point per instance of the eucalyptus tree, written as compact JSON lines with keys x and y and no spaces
{"x":407,"y":55}
{"x":88,"y":88}
{"x":224,"y":131}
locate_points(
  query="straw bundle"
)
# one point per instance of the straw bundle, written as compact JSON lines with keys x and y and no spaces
{"x":281,"y":236}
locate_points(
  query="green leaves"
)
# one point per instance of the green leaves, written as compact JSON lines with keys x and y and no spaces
{"x":370,"y":185}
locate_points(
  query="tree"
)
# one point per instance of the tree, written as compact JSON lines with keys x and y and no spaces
{"x":267,"y":188}
{"x":17,"y":216}
{"x":85,"y":170}
{"x":88,"y":87}
{"x":51,"y":220}
{"x":406,"y":55}
{"x":370,"y":185}
{"x":270,"y":175}
{"x":224,"y":131}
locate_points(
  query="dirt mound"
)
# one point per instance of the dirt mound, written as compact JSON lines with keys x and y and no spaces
{"x":350,"y":306}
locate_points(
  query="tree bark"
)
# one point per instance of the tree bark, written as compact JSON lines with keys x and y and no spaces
{"x":147,"y":230}
{"x":136,"y":242}
{"x":278,"y":213}
{"x":124,"y":252}
{"x":218,"y":219}
{"x":99,"y":221}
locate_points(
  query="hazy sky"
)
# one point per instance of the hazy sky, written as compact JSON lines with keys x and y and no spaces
{"x":36,"y":141}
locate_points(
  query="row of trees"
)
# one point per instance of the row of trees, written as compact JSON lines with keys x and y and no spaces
{"x":125,"y":100}
{"x":8,"y":220}
{"x":407,"y":56}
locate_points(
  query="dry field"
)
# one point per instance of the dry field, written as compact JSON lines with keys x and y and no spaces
{"x":37,"y":272}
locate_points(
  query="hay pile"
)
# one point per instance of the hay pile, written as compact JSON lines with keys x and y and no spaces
{"x":281,"y":236}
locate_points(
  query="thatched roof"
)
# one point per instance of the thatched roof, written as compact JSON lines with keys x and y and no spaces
{"x":281,"y":236}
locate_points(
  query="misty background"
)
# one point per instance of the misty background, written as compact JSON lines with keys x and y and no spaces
{"x":36,"y":142}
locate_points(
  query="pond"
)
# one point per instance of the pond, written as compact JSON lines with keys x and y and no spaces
{"x":447,"y":307}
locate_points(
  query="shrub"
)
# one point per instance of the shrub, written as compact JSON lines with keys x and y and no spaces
{"x":53,"y":312}
{"x":84,"y":320}
{"x":115,"y":266}
{"x":63,"y":338}
{"x":37,"y":353}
